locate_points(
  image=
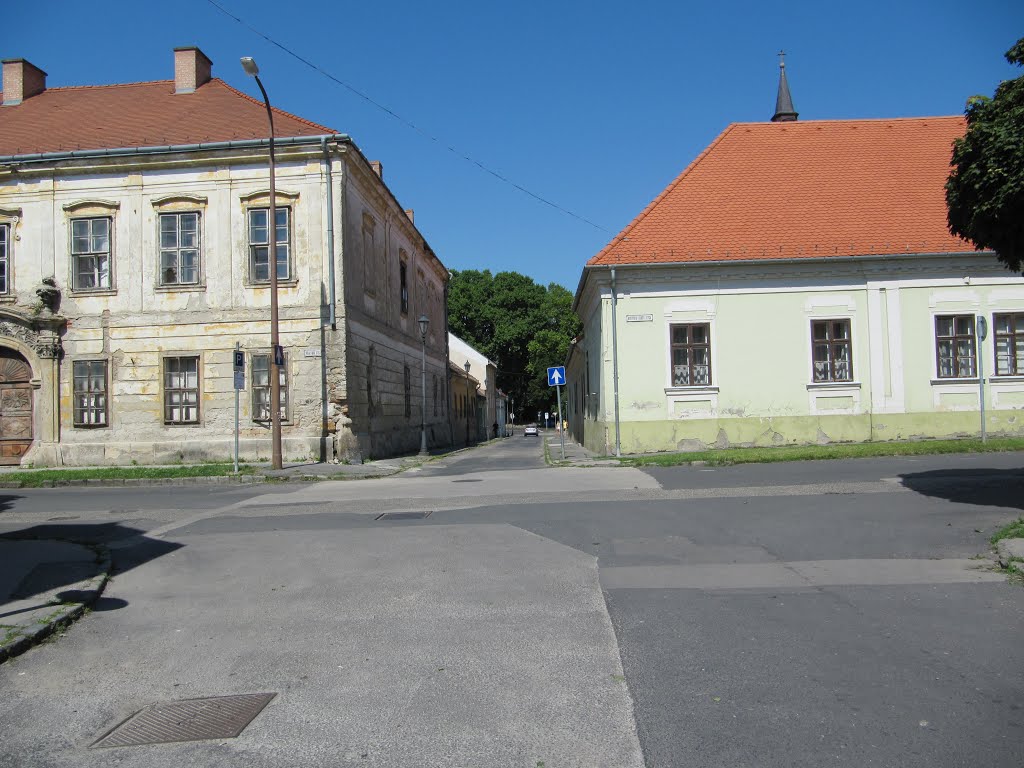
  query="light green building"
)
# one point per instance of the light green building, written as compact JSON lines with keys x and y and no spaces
{"x":797,"y":284}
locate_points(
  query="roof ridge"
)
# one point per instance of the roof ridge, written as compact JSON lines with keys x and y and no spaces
{"x":671,"y":186}
{"x":834,"y":120}
{"x":107,"y":85}
{"x":276,"y":110}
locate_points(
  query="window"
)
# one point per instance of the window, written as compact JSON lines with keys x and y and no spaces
{"x":90,"y":253}
{"x":261,"y":388}
{"x":830,"y":340}
{"x":403,"y":278}
{"x":181,"y":390}
{"x":1009,"y":339}
{"x":954,"y":346}
{"x":179,"y":248}
{"x":90,"y":387}
{"x":5,"y":260}
{"x":691,"y":355}
{"x":259,"y":244}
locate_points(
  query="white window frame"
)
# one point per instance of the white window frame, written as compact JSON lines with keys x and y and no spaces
{"x":257,"y":406}
{"x":178,"y":249}
{"x":166,"y":391}
{"x":935,"y":345}
{"x":91,"y":253}
{"x":6,"y":238}
{"x":85,"y":409}
{"x":255,"y":246}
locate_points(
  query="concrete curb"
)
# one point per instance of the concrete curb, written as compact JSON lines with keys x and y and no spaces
{"x":65,"y":613}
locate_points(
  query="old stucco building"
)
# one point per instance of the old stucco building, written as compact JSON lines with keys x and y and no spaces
{"x":134,"y":258}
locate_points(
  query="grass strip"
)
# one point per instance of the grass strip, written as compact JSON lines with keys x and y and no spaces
{"x":726,"y":456}
{"x":35,"y":478}
{"x":1014,"y":530}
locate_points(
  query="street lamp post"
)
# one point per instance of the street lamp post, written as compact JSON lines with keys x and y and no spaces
{"x":469,"y":400}
{"x":276,"y":354}
{"x":424,"y":322}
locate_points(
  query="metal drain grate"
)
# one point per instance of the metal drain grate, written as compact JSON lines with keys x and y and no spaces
{"x":219,"y":717}
{"x":402,"y":516}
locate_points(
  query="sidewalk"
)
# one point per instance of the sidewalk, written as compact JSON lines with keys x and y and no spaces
{"x":45,"y":585}
{"x":575,"y":454}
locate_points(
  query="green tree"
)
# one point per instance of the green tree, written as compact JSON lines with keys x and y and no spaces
{"x":985,"y":191}
{"x":520,"y":325}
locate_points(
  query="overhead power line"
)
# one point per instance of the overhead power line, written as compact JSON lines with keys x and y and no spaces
{"x":407,"y":123}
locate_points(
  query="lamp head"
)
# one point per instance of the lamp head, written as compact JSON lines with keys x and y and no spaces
{"x":467,"y":366}
{"x":424,"y":321}
{"x":249,"y":65}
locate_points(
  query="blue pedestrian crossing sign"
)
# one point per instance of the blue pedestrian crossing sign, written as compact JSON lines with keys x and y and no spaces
{"x":556,"y":376}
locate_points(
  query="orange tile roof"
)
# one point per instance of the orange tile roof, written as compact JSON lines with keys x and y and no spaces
{"x":139,"y":115}
{"x":803,"y":189}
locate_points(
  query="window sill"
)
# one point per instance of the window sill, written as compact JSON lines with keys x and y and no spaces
{"x":92,"y":292}
{"x":833,"y":385}
{"x":175,"y":424}
{"x":191,"y":288}
{"x":8,"y":299}
{"x":700,"y":389}
{"x":1006,"y":379}
{"x":91,"y":426}
{"x":940,"y":382}
{"x":289,"y":283}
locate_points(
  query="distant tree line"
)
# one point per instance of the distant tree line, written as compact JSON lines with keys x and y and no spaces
{"x":521,"y":326}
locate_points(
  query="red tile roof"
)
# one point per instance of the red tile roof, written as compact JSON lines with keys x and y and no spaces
{"x":802,"y":189}
{"x":139,"y":115}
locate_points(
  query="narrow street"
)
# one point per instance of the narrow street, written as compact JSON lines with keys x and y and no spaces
{"x":763,"y":615}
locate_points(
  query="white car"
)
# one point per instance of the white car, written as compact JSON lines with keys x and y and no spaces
{"x":531,"y":429}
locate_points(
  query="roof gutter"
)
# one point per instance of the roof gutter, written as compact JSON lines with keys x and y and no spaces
{"x":169,"y":149}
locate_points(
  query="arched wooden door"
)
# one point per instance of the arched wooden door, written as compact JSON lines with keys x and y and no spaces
{"x":15,"y":406}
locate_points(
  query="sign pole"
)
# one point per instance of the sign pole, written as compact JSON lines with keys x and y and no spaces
{"x":982,"y":335}
{"x":237,"y":351}
{"x":561,"y":431}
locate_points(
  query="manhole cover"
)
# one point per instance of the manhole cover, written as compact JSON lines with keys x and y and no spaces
{"x":220,"y":717}
{"x":403,"y":516}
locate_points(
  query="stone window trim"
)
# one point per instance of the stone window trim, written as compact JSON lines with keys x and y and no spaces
{"x":181,"y":218}
{"x":831,"y":350}
{"x":257,"y":389}
{"x":403,"y":280}
{"x":166,"y":393}
{"x":90,"y":404}
{"x":181,"y":203}
{"x":91,"y":210}
{"x":6,"y":257}
{"x":956,"y":349}
{"x":369,"y":238}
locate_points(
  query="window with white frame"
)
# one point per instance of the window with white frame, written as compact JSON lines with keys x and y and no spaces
{"x":261,"y":365}
{"x":179,"y":248}
{"x":832,"y":356}
{"x":259,"y":244}
{"x":181,"y":390}
{"x":90,"y":253}
{"x":5,"y":259}
{"x":90,"y":393}
{"x":955,"y":347}
{"x":1009,"y":342}
{"x":691,"y":354}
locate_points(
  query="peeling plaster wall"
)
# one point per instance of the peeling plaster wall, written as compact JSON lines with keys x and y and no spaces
{"x":137,"y":322}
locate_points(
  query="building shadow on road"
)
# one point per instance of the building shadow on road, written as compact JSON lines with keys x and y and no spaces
{"x":129,"y":548}
{"x":983,"y":487}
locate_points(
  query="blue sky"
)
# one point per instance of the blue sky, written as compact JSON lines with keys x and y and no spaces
{"x":594,"y":106}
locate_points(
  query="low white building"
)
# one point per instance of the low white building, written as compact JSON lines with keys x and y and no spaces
{"x":134,"y":257}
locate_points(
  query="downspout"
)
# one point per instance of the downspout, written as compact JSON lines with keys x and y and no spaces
{"x":615,"y":365}
{"x":332,"y":298}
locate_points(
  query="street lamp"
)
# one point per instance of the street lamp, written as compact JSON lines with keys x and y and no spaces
{"x":424,"y":322}
{"x":276,"y":353}
{"x":468,"y":400}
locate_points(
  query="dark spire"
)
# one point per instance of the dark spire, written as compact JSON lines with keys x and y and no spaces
{"x":784,"y":111}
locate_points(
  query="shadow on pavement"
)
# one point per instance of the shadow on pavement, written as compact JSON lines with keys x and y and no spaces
{"x":30,"y":577}
{"x":7,"y":501}
{"x":984,"y":487}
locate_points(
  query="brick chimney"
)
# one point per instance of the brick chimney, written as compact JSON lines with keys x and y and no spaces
{"x":191,"y":69}
{"x":21,"y":81}
{"x":378,"y":167}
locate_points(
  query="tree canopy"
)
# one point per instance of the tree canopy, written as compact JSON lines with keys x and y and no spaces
{"x":522,"y":326}
{"x":985,"y":191}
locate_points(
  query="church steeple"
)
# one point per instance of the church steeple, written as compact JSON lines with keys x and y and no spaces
{"x":784,"y":111}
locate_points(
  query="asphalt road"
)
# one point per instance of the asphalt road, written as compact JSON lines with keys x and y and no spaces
{"x":825,"y":613}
